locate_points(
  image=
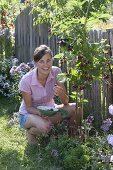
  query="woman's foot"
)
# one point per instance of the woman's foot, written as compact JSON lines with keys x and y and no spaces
{"x":31,"y":139}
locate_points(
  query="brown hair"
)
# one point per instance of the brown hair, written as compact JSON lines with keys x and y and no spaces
{"x":41,"y":51}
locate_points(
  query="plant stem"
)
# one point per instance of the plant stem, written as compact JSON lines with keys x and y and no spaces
{"x":89,"y":3}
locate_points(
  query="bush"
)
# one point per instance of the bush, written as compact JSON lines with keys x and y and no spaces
{"x":77,"y":158}
{"x":10,"y":75}
{"x":17,"y":73}
{"x":6,"y":80}
{"x":66,"y":153}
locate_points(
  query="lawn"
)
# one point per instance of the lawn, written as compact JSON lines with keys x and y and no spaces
{"x":12,"y":139}
{"x":15,"y":153}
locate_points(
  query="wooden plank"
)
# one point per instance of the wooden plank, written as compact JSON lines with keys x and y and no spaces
{"x":31,"y":34}
{"x":28,"y":34}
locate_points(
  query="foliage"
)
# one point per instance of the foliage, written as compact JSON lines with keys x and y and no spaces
{"x":71,"y":22}
{"x":9,"y":10}
{"x":10,"y":75}
{"x":8,"y":13}
{"x":7,"y":43}
{"x":16,"y":73}
{"x":6,"y":80}
{"x":6,"y":29}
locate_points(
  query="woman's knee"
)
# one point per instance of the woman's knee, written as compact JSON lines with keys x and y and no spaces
{"x":38,"y":123}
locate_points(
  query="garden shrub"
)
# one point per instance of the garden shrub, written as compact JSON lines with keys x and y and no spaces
{"x":66,"y":153}
{"x":10,"y":75}
{"x":77,"y":158}
{"x":6,"y":80}
{"x":17,"y":73}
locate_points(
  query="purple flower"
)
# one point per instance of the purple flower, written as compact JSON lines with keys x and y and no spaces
{"x":104,"y":128}
{"x":54,"y":153}
{"x":106,"y":124}
{"x":21,"y":69}
{"x":31,"y":65}
{"x":89,"y":119}
{"x":17,"y":69}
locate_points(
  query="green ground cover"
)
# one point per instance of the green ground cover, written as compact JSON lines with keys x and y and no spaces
{"x":53,"y":153}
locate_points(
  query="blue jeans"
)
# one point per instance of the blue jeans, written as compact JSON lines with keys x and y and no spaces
{"x":22,"y":119}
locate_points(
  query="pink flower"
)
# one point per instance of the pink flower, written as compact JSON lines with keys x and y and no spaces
{"x":111,"y":109}
{"x":110,"y":139}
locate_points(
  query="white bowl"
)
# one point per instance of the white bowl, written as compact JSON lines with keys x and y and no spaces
{"x":47,"y":108}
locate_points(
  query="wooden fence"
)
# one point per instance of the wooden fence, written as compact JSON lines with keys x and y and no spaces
{"x":28,"y":37}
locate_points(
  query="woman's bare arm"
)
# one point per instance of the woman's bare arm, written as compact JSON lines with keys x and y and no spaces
{"x":28,"y":101}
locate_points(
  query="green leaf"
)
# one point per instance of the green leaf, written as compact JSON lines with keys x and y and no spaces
{"x":59,"y":55}
{"x":61,"y":77}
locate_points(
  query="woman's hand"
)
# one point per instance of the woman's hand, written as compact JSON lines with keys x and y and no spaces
{"x":58,"y":90}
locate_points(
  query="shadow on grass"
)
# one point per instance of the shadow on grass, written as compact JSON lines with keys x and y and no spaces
{"x":8,"y":106}
{"x":11,"y":160}
{"x":35,"y":157}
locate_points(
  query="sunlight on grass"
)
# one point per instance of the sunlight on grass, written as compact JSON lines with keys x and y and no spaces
{"x":12,"y":140}
{"x":15,"y":153}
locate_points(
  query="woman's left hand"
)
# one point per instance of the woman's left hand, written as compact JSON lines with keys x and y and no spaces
{"x":58,"y":90}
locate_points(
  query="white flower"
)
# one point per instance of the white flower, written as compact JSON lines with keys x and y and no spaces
{"x":12,"y":71}
{"x":111,"y":109}
{"x":111,"y":158}
{"x":110,"y":139}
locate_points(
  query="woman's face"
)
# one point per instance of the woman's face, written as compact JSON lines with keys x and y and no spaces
{"x":44,"y":64}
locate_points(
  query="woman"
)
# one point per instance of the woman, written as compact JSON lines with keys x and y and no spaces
{"x":38,"y":88}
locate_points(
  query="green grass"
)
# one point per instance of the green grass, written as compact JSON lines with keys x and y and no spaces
{"x":15,"y":153}
{"x":12,"y":140}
